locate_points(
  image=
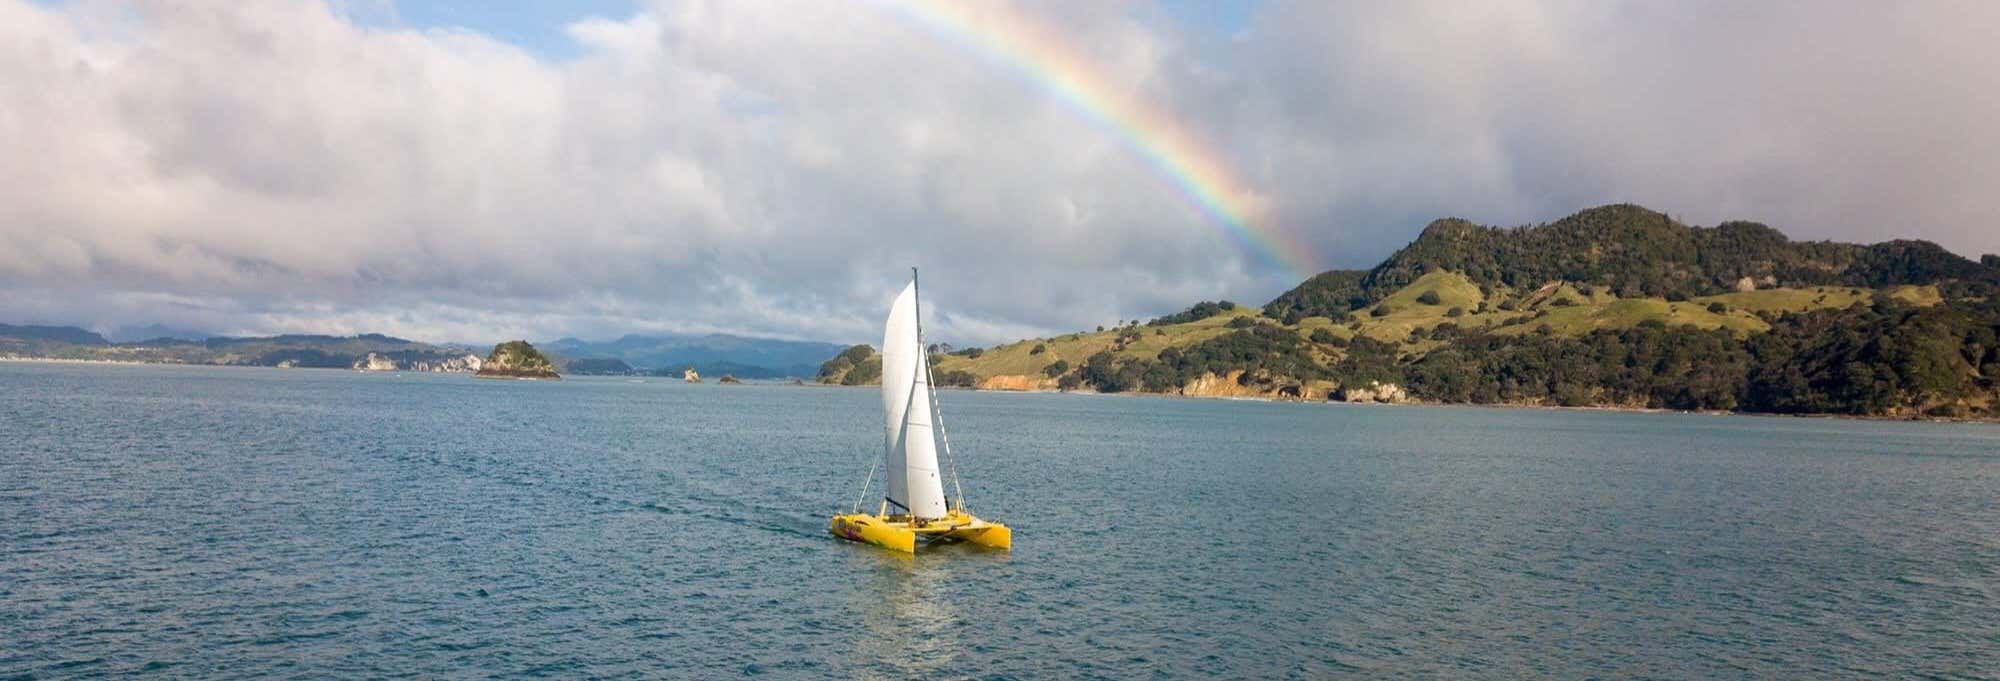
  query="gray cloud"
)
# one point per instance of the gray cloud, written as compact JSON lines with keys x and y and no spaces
{"x":1844,"y":120}
{"x":772,"y":167}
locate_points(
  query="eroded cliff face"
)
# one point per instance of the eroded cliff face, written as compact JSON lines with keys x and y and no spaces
{"x":1228,"y":385}
{"x":1017,"y":383}
{"x":449,"y":365}
{"x":1387,"y":393}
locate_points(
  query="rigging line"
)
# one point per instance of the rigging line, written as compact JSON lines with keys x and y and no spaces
{"x":937,"y":409}
{"x":863,"y":496}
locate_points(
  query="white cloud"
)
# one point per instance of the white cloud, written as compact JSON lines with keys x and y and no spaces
{"x":773,"y":167}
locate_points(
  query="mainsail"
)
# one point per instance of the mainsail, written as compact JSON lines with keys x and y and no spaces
{"x":910,"y":449}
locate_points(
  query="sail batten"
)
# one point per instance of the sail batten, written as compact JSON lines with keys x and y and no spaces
{"x":909,"y":442}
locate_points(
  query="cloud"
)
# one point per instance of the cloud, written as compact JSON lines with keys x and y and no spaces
{"x":774,"y":167}
{"x":1844,"y":120}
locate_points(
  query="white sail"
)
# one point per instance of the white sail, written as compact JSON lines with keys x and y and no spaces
{"x":910,"y":449}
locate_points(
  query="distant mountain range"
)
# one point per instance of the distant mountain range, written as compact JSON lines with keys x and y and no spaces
{"x":132,"y":334}
{"x":294,"y":350}
{"x":711,"y":354}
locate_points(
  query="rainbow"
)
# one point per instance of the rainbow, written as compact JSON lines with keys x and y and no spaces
{"x":1196,"y":172}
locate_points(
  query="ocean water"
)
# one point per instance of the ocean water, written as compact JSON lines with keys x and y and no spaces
{"x":262,"y":523}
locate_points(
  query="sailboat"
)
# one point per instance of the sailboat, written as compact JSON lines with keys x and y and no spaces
{"x":914,"y":510}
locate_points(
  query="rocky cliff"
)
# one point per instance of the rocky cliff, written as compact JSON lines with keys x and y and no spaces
{"x":426,"y":363}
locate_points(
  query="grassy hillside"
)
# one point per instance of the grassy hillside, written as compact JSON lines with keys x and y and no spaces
{"x":1614,"y":306}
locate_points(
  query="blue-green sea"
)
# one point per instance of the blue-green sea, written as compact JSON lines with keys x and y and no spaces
{"x":191,"y":522}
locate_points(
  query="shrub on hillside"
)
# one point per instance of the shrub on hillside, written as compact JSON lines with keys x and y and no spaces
{"x":864,"y":372}
{"x":1038,"y":349}
{"x":1429,"y":298}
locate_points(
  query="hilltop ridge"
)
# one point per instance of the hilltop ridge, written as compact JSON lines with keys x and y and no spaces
{"x":1634,"y":252}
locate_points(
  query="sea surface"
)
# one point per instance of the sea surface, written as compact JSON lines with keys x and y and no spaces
{"x":193,"y":522}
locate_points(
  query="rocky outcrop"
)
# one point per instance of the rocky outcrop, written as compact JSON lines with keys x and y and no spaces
{"x":1387,"y":393}
{"x":729,"y":379}
{"x":690,"y":376}
{"x":517,"y":359}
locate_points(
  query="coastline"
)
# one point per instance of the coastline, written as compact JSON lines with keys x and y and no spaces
{"x":1994,"y":420}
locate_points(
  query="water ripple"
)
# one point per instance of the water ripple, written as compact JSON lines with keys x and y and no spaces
{"x":237,"y":523}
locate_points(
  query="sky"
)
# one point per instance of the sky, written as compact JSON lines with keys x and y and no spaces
{"x":472,"y":171}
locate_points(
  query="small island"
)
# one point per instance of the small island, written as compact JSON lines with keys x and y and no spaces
{"x":517,"y":359}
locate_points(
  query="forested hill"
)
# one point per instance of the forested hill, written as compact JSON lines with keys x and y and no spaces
{"x":1613,"y":306}
{"x":1632,"y":252}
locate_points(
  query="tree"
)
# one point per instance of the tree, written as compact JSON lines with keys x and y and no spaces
{"x":1056,"y":368}
{"x":1455,"y":312}
{"x":1038,"y":349}
{"x":1718,"y":307}
{"x":1429,"y":298}
{"x":1323,"y":336}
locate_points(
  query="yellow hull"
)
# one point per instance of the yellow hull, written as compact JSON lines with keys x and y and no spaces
{"x":901,"y":533}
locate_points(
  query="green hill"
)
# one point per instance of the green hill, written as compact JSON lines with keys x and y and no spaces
{"x":1613,"y":306}
{"x":517,"y":359}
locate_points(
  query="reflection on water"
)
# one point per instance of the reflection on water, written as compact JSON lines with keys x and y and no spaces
{"x":911,"y":628}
